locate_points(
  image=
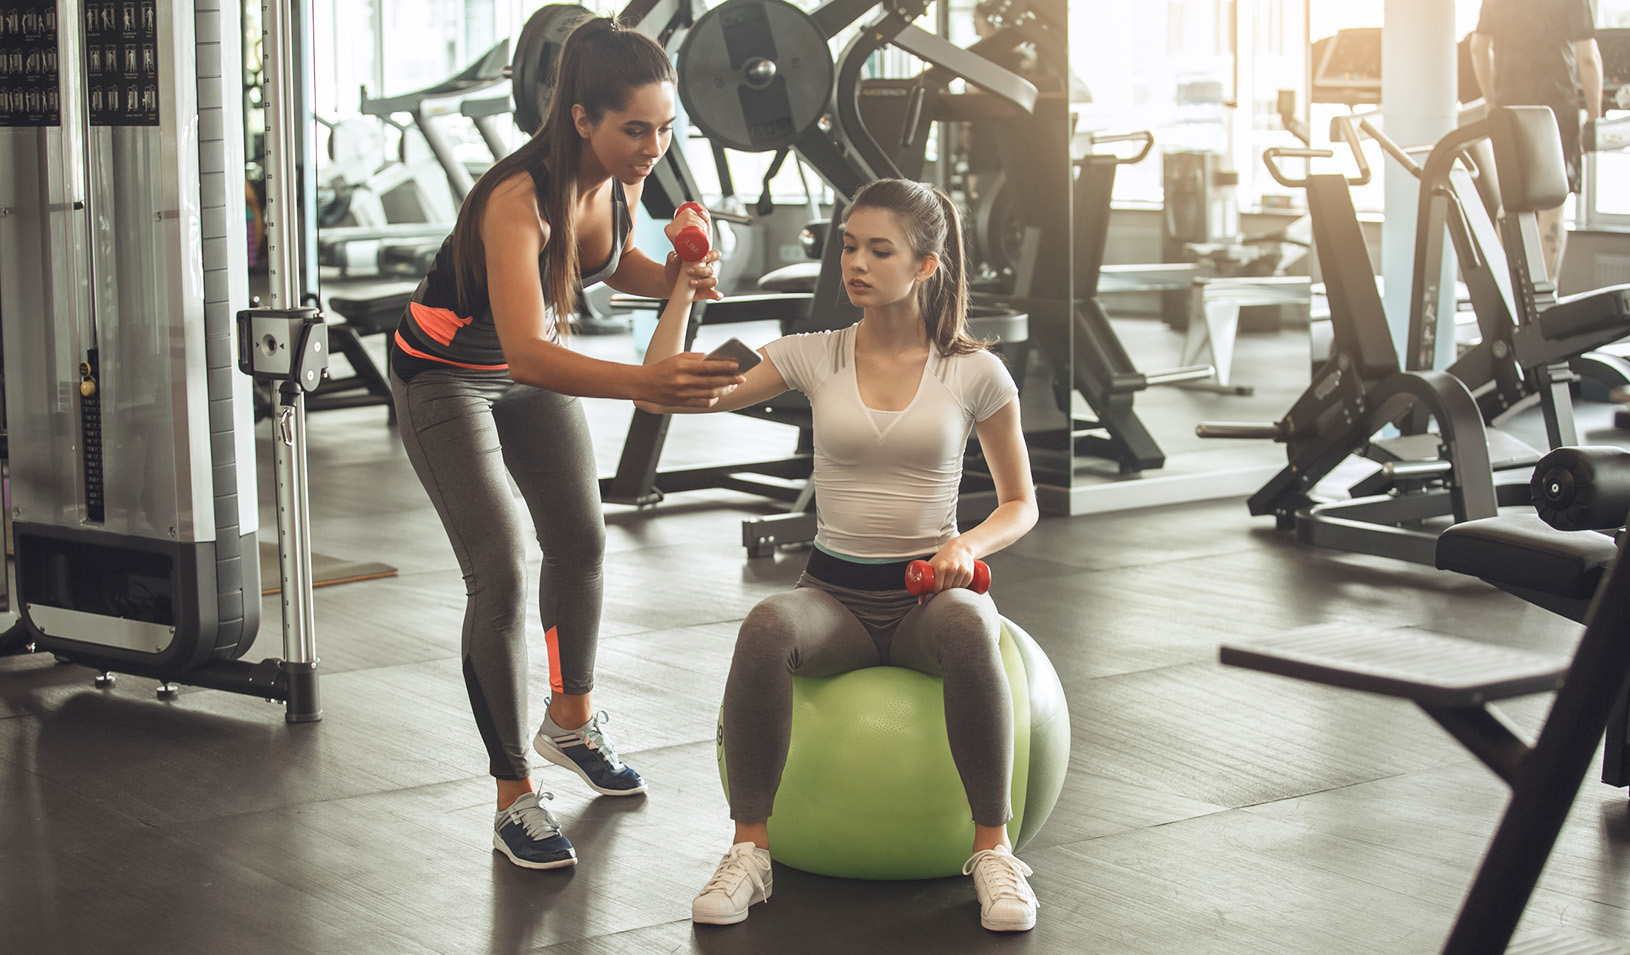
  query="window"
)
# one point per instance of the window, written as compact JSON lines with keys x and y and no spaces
{"x":1170,"y":66}
{"x":1605,"y":199}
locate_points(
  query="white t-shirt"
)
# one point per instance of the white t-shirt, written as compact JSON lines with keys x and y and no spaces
{"x":886,"y":482}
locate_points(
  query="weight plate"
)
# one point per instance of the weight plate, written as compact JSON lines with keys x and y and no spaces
{"x":754,"y":75}
{"x":532,"y":76}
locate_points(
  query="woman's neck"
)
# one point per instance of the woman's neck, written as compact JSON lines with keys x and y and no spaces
{"x":591,"y":175}
{"x":897,"y":327}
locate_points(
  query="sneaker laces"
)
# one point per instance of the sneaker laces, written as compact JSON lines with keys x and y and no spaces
{"x":597,"y":740}
{"x":538,"y":822}
{"x":1003,"y":874}
{"x":741,"y":862}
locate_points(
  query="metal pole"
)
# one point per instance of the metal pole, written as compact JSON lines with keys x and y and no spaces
{"x":280,"y":54}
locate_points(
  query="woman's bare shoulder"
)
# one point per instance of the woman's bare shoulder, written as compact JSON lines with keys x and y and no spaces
{"x":512,"y":211}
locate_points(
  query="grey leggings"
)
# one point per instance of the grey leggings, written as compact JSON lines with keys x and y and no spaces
{"x":819,"y":630}
{"x":467,"y":434}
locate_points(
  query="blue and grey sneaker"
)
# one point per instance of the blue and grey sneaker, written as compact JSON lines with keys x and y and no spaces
{"x":530,"y":836}
{"x":587,"y":752}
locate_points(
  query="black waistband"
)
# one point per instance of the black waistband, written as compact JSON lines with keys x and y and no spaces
{"x":856,"y":575}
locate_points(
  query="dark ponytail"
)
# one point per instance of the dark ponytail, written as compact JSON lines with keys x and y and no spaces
{"x":933,"y":226}
{"x":600,"y":63}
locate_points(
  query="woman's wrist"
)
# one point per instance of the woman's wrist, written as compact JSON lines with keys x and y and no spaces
{"x":671,"y":268}
{"x":639,"y":377}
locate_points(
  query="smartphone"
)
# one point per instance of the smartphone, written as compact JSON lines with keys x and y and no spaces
{"x":737,"y":350}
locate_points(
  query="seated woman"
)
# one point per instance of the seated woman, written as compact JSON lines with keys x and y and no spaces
{"x":894,"y":398}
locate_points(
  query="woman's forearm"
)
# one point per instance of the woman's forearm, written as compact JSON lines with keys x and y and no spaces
{"x":669,"y":337}
{"x":1009,"y":522}
{"x":558,"y":369}
{"x":639,"y":274}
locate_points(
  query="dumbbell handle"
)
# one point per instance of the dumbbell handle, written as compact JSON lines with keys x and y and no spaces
{"x":692,"y":242}
{"x":920,"y":577}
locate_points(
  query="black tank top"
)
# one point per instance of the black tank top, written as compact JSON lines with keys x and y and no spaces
{"x":433,"y":333}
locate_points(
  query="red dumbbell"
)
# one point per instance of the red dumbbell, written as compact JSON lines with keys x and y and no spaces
{"x":920,"y":577}
{"x":692,"y":242}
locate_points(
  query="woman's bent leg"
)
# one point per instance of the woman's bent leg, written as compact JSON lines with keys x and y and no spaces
{"x":956,"y":635}
{"x":805,"y":632}
{"x":549,"y":451}
{"x":452,"y":441}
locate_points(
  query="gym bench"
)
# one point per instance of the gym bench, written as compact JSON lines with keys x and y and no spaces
{"x":1455,"y":680}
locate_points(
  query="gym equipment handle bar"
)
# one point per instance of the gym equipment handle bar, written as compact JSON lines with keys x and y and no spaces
{"x":1342,"y":128}
{"x":1234,"y":429}
{"x":1143,"y":136}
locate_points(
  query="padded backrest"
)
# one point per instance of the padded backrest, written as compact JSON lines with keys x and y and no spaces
{"x":1528,"y":158}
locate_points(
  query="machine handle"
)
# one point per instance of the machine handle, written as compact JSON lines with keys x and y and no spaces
{"x":1391,"y":148}
{"x":1143,"y":135}
{"x":1272,"y":155}
{"x":1344,"y":129}
{"x":1236,"y":429}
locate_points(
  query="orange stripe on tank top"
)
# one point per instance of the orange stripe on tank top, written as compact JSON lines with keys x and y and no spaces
{"x":552,"y":641}
{"x":439,"y":323}
{"x":402,"y":343}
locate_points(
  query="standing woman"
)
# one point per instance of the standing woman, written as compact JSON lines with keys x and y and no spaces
{"x":485,"y":391}
{"x":894,"y":397}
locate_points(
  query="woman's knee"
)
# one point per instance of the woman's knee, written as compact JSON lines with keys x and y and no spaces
{"x":580,"y":548}
{"x":963,"y":626}
{"x":767,"y":636}
{"x":496,"y":572}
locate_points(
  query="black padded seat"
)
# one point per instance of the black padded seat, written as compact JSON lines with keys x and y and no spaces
{"x":375,"y":314}
{"x":1603,"y":311}
{"x":783,"y":307}
{"x":797,"y":277}
{"x":1523,"y":551}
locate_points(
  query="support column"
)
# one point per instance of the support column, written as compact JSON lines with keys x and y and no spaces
{"x":1418,"y":74}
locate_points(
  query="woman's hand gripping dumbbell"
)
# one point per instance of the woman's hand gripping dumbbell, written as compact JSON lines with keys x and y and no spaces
{"x":691,"y":241}
{"x":691,"y":263}
{"x":920,"y":577}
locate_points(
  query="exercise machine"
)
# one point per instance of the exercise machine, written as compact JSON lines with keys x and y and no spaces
{"x":1028,"y":239}
{"x":1421,"y":477}
{"x":1530,"y":341}
{"x":129,"y":436}
{"x":758,"y":76}
{"x":358,"y":247}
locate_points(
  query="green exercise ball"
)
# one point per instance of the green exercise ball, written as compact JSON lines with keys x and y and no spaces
{"x":870,"y":790}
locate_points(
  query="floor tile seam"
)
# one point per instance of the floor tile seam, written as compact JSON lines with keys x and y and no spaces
{"x":697,"y":626}
{"x":1451,"y":764}
{"x":1214,"y":809}
{"x":558,"y":944}
{"x":1201,"y":798}
{"x":1154,"y":561}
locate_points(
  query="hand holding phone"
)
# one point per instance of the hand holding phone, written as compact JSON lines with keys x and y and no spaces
{"x":736,"y":350}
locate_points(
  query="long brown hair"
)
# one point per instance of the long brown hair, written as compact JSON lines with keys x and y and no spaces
{"x":600,"y":63}
{"x":932,"y":226}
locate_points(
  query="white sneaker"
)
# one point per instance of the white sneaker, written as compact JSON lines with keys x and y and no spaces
{"x":1006,"y":902}
{"x":743,"y":878}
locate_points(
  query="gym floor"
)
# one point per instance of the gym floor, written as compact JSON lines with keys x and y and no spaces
{"x":1207,"y":809}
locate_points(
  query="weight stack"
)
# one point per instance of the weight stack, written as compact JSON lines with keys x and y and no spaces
{"x":122,"y":266}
